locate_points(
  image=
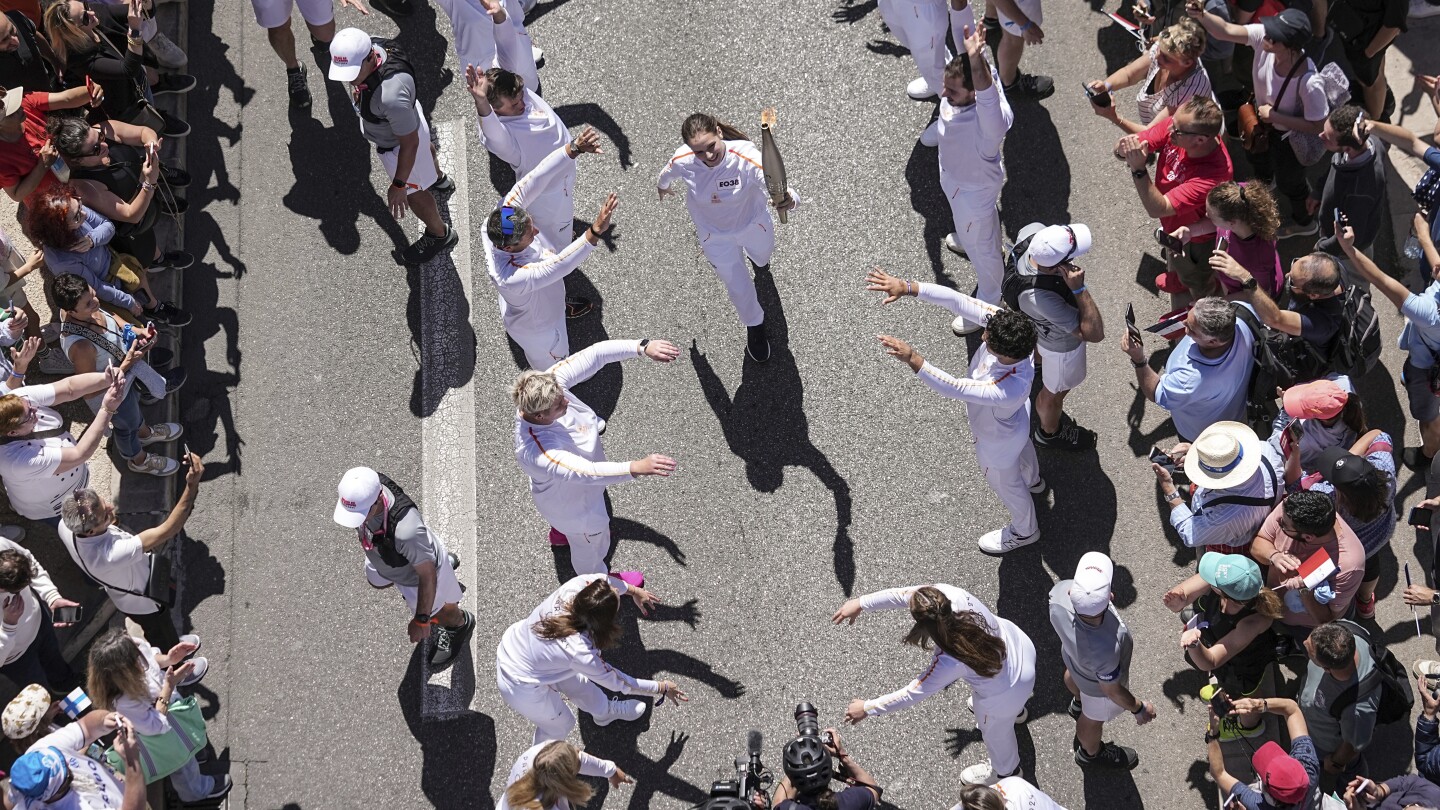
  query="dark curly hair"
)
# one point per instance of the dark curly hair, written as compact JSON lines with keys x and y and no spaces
{"x":1312,"y":512}
{"x":1011,"y":334}
{"x":16,"y":571}
{"x":47,"y":220}
{"x":68,"y":290}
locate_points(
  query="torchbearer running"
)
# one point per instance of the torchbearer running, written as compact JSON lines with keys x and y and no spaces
{"x":996,"y":395}
{"x":555,"y":651}
{"x":726,"y":195}
{"x":974,"y":117}
{"x":991,"y":654}
{"x":527,"y":268}
{"x":557,"y":443}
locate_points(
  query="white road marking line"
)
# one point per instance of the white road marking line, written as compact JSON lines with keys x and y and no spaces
{"x":448,"y":435}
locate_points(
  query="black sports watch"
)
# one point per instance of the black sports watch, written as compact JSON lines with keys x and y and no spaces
{"x":1435,"y":598}
{"x":1249,"y":284}
{"x":1139,"y":173}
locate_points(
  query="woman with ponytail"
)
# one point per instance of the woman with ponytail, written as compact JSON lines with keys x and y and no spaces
{"x":547,"y":777}
{"x":725,"y":192}
{"x":556,"y":650}
{"x":991,"y":654}
{"x":1247,"y":217}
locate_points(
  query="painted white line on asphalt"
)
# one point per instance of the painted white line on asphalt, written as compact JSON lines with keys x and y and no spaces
{"x":448,"y":434}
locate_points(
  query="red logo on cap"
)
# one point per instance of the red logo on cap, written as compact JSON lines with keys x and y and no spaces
{"x":340,"y":60}
{"x":348,"y":504}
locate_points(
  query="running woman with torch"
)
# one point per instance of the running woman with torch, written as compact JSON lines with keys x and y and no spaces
{"x":727,"y":197}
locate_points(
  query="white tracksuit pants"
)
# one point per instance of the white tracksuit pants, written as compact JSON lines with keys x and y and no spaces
{"x":995,"y":716}
{"x":977,"y":228}
{"x":543,"y":347}
{"x":727,"y":253}
{"x":921,"y":25}
{"x":544,"y":705}
{"x":588,"y":546}
{"x":1011,"y":467}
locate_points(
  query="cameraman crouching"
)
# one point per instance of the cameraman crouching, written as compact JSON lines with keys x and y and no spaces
{"x":808,"y":772}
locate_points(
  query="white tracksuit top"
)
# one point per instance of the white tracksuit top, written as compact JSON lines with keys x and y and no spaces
{"x":480,"y":42}
{"x":725,"y":199}
{"x":972,"y":138}
{"x":564,"y":459}
{"x":996,"y":396}
{"x":532,"y":282}
{"x":589,"y":766}
{"x":943,"y":669}
{"x":526,"y":658}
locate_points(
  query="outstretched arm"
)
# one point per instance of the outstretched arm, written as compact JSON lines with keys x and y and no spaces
{"x":584,"y":364}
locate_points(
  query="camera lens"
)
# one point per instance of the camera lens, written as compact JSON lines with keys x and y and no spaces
{"x":807,"y":722}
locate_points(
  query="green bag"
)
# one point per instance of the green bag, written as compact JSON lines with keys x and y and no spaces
{"x":164,"y":754}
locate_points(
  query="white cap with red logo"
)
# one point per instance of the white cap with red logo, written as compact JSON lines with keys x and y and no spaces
{"x":358,"y":490}
{"x":347,"y":50}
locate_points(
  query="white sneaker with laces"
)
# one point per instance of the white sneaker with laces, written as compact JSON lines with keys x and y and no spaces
{"x":931,"y":136}
{"x":166,"y":53}
{"x":962,"y":327}
{"x":1003,"y":540}
{"x":163,"y":432}
{"x":919,"y":89}
{"x":202,"y":666}
{"x":1420,"y":9}
{"x":621,"y":710}
{"x":156,"y":465}
{"x":979,"y":774}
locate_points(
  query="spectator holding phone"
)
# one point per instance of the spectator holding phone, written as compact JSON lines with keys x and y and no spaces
{"x":1401,"y":793}
{"x":95,"y":340}
{"x":1169,"y":74}
{"x":56,"y":773}
{"x":120,"y":561}
{"x":1427,"y":727}
{"x":1426,"y":225}
{"x":1287,"y":780}
{"x":1237,"y":479}
{"x":1303,"y":525}
{"x":40,"y":471}
{"x":1355,"y":187}
{"x":1318,"y":415}
{"x":1244,"y":219}
{"x":29,"y":651}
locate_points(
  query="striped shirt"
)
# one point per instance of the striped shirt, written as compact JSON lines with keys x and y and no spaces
{"x":1174,"y":94}
{"x":1377,"y":533}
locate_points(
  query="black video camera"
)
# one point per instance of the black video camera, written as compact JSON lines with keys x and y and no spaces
{"x":751,"y":778}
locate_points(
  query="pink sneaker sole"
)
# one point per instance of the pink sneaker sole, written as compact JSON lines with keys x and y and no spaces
{"x":558,"y":539}
{"x":632,"y":578}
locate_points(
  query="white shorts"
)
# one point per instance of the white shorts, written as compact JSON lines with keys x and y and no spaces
{"x":1100,"y":709}
{"x":1030,"y":8}
{"x":424,"y":173}
{"x":1062,"y":371}
{"x":276,"y":13}
{"x":447,"y":586}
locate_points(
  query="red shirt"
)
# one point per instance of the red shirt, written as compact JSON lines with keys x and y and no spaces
{"x":1185,"y":181}
{"x":35,"y":105}
{"x":16,"y":161}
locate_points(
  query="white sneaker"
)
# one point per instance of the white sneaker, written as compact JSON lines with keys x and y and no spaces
{"x":1003,"y":540}
{"x":537,"y":54}
{"x":962,"y":327}
{"x":163,"y":432}
{"x":621,"y":710}
{"x":1420,"y":9}
{"x":12,"y":533}
{"x":931,"y":136}
{"x":1038,"y":487}
{"x":1019,"y":718}
{"x":1429,"y":670}
{"x":953,"y":245}
{"x":202,"y":666}
{"x":919,"y":89}
{"x":979,"y":774}
{"x":156,"y":465}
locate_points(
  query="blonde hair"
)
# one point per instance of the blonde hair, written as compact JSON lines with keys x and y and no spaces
{"x":12,"y":413}
{"x":65,"y":36}
{"x":1185,"y":39}
{"x":554,"y":775}
{"x":115,"y":670}
{"x":536,"y":391}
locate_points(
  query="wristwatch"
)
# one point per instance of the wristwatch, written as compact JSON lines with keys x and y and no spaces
{"x":1139,"y":173}
{"x":420,"y":618}
{"x":1435,"y":598}
{"x":398,"y":183}
{"x":1249,"y":284}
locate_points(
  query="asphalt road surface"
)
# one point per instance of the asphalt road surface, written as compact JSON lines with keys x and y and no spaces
{"x":827,"y":472}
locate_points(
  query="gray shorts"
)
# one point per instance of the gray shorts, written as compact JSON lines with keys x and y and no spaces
{"x":1424,"y":405}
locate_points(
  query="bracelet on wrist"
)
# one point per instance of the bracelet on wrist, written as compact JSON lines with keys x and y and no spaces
{"x":1140,"y":710}
{"x":1080,"y":289}
{"x":1139,"y":363}
{"x":1139,"y":173}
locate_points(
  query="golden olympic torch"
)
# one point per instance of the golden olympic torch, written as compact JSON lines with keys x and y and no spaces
{"x":773,"y":164}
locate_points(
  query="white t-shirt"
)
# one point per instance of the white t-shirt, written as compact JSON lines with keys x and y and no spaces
{"x":70,"y":741}
{"x":1021,"y":795}
{"x":29,"y":468}
{"x":16,"y":638}
{"x":142,"y":714}
{"x":114,"y":558}
{"x":1304,"y":98}
{"x":723,"y":199}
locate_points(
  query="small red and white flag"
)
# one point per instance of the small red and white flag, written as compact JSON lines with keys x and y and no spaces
{"x":1171,"y":325}
{"x":1317,"y":569}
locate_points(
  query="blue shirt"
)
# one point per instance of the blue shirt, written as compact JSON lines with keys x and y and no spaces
{"x":1199,"y":391}
{"x":1303,"y":750}
{"x":94,"y":264}
{"x":1427,"y":748}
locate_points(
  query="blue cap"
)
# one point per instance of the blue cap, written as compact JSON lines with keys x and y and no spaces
{"x":40,"y":774}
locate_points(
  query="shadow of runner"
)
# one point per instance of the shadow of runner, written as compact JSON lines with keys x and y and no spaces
{"x":765,"y":423}
{"x":438,"y":313}
{"x":922,"y":176}
{"x":458,"y":753}
{"x":578,"y":115}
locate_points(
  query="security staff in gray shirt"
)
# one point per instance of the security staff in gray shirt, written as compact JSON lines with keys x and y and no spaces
{"x":401,"y":551}
{"x":382,"y":90}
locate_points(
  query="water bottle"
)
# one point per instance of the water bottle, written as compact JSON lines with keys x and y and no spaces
{"x":62,"y":172}
{"x":1412,"y":248}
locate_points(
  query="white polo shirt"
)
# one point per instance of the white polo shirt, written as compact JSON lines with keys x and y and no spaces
{"x":116,"y":559}
{"x":29,"y":467}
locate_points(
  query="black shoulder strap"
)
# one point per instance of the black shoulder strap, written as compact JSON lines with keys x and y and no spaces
{"x":37,"y":436}
{"x":80,"y":558}
{"x":1351,"y":693}
{"x":1251,"y":500}
{"x":89,"y":332}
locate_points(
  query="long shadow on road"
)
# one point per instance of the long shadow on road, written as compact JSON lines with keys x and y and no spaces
{"x":765,"y":424}
{"x":458,"y":753}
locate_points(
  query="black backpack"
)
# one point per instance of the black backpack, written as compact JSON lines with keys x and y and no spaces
{"x":1274,"y":367}
{"x":385,"y":543}
{"x":1397,"y":697}
{"x":1357,"y":346}
{"x":1015,"y":283}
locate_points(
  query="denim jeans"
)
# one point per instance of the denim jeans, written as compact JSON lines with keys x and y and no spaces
{"x":126,"y":423}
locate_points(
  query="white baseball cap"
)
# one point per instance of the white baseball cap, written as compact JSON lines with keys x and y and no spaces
{"x":347,"y":50}
{"x":1090,"y":590}
{"x":13,"y":97}
{"x":1056,"y":244}
{"x":358,"y":490}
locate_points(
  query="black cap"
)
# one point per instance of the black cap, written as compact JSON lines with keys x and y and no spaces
{"x":1290,"y":27}
{"x":1340,"y":466}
